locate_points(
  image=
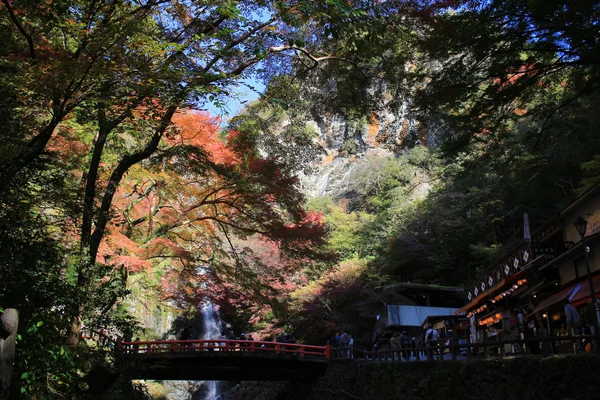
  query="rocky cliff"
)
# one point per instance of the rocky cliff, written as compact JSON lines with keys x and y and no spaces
{"x":347,"y":143}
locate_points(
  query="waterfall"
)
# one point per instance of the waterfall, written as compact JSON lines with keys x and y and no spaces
{"x":212,"y":327}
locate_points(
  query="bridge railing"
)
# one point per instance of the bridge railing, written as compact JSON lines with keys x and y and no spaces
{"x":176,"y":346}
{"x":545,"y":346}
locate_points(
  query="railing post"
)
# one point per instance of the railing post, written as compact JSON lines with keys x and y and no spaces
{"x":277,"y":348}
{"x":252,"y":346}
{"x":119,"y":345}
{"x":302,"y":351}
{"x":327,"y":350}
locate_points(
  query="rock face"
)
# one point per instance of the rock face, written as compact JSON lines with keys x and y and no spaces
{"x":346,"y":144}
{"x":9,"y":322}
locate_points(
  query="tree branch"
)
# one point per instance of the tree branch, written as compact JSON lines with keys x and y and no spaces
{"x":126,"y":162}
{"x":27,"y":36}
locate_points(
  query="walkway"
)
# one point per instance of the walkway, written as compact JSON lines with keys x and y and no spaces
{"x":231,"y":360}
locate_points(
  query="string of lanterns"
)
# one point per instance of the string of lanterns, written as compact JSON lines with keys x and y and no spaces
{"x":491,"y":319}
{"x":496,"y":298}
{"x":514,"y":287}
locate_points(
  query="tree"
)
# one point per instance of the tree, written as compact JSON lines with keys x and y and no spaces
{"x":502,"y":64}
{"x":131,"y":64}
{"x":201,"y":209}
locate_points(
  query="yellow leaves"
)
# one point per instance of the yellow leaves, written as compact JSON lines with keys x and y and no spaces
{"x":344,"y":275}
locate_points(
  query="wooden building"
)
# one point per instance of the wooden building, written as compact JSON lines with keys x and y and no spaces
{"x":524,"y":294}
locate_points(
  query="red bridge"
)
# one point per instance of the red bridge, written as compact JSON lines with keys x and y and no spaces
{"x":232,"y":360}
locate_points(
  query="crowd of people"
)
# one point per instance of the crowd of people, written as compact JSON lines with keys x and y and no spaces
{"x":403,"y":347}
{"x":342,"y":345}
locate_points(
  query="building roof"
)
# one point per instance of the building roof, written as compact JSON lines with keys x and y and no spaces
{"x":581,"y":199}
{"x":405,"y":315}
{"x":422,"y":286}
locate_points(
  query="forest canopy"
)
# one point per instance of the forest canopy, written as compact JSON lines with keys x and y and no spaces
{"x":116,"y":186}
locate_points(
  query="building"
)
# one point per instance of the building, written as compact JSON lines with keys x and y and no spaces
{"x":415,"y":303}
{"x":525,"y":292}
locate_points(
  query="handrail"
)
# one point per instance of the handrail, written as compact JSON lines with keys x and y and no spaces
{"x":165,"y":346}
{"x":469,"y":350}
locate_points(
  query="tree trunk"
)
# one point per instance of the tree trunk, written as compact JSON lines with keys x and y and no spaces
{"x":92,"y":242}
{"x":74,"y":332}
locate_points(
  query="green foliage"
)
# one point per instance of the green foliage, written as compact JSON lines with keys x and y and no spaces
{"x":281,"y":133}
{"x":344,"y":237}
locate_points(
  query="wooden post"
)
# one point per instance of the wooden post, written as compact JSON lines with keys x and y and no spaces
{"x":9,"y":322}
{"x":469,"y":350}
{"x":277,"y":348}
{"x":327,"y":350}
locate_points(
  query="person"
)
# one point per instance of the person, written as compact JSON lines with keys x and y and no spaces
{"x":284,"y":339}
{"x":405,"y":345}
{"x":431,"y":341}
{"x":127,"y":337}
{"x":573,"y":320}
{"x":243,"y":337}
{"x":350,"y":346}
{"x":421,"y":344}
{"x":231,"y":336}
{"x":375,"y":347}
{"x":344,"y":340}
{"x":185,"y":335}
{"x":394,"y":345}
{"x":223,"y":344}
{"x":413,"y":345}
{"x":338,"y":343}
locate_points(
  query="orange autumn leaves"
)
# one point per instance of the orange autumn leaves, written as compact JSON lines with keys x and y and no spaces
{"x":199,"y":129}
{"x":185,"y":209}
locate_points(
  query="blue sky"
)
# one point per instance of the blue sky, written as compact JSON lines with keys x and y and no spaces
{"x":241,"y":95}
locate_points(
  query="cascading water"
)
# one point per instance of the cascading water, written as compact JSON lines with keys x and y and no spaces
{"x":212,"y":327}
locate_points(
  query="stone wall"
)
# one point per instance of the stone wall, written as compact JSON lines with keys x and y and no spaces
{"x":525,"y":378}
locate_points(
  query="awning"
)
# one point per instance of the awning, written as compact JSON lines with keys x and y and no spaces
{"x":578,"y":293}
{"x":581,"y":293}
{"x":553,"y":299}
{"x":407,"y":315}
